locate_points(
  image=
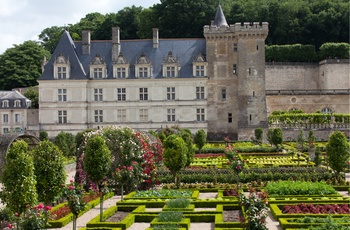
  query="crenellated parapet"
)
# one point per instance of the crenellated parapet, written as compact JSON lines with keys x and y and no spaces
{"x":244,"y":29}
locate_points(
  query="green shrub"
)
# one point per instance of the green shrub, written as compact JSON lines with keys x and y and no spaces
{"x":178,"y":203}
{"x":170,"y":216}
{"x":299,"y":188}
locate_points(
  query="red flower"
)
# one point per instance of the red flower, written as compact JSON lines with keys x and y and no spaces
{"x":71,"y":187}
{"x":130,"y":168}
{"x":239,"y":167}
{"x":124,"y":167}
{"x":48,"y":208}
{"x":9,"y":226}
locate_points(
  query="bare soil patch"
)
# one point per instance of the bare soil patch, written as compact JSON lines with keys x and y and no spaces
{"x":117,"y":217}
{"x":232,"y":215}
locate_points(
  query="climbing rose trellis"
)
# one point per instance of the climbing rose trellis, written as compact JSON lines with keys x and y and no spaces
{"x":129,"y":148}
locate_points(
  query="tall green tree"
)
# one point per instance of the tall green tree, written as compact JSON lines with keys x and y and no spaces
{"x":258,"y":132}
{"x":301,"y":139}
{"x":186,"y":135}
{"x":200,"y":139}
{"x":277,"y":137}
{"x":49,"y":171}
{"x":66,"y":143}
{"x":50,"y":37}
{"x":18,"y":178}
{"x":21,"y":65}
{"x":33,"y":95}
{"x":338,"y":151}
{"x":97,"y":163}
{"x":174,"y":154}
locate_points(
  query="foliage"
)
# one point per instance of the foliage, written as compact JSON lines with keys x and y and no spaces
{"x":34,"y":218}
{"x":308,"y":219}
{"x":200,"y":138}
{"x":170,"y":216}
{"x":235,"y":162}
{"x":269,"y":136}
{"x":318,"y":157}
{"x":6,"y":218}
{"x":163,"y":193}
{"x":255,"y":210}
{"x":186,"y":135}
{"x":21,"y":65}
{"x":308,"y":118}
{"x":178,"y":203}
{"x":33,"y":95}
{"x":18,"y":175}
{"x":174,"y":155}
{"x":50,"y":37}
{"x":74,"y":193}
{"x":281,"y":188}
{"x":258,"y":132}
{"x":311,"y":138}
{"x":277,"y":137}
{"x":291,"y":53}
{"x":125,"y":176}
{"x":97,"y":159}
{"x":43,"y":135}
{"x":338,"y":151}
{"x":49,"y":171}
{"x":316,"y":209}
{"x":301,"y":139}
{"x":66,"y":143}
{"x":335,"y":51}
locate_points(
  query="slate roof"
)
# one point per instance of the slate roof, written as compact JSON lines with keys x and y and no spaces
{"x":185,"y":50}
{"x":11,"y":97}
{"x":220,"y":19}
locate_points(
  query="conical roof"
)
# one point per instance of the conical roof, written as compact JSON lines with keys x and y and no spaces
{"x":220,"y":19}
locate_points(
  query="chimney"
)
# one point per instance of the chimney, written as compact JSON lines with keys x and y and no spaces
{"x":115,"y":43}
{"x":85,"y":42}
{"x":155,"y":38}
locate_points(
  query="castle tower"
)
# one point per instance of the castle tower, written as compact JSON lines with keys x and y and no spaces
{"x":236,"y":69}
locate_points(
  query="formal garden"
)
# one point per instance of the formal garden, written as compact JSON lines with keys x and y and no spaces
{"x":171,"y":178}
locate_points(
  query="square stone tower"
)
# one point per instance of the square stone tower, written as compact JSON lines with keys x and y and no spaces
{"x":236,"y":85}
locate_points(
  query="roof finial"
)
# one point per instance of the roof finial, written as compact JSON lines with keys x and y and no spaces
{"x":220,"y":19}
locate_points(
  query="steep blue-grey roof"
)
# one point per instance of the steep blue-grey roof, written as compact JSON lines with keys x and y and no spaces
{"x":185,"y":50}
{"x":220,"y":19}
{"x":11,"y":97}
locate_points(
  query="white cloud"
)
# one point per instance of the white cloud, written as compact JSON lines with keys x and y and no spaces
{"x":23,"y":20}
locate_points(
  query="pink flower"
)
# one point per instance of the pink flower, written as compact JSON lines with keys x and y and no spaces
{"x":130,"y":168}
{"x":9,"y":226}
{"x":239,"y":167}
{"x":16,"y":214}
{"x":134,"y":162}
{"x":40,"y":206}
{"x":71,"y":187}
{"x":117,"y":169}
{"x":71,"y":181}
{"x":124,"y":167}
{"x":48,"y":208}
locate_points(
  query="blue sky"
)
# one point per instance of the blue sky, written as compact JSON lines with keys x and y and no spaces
{"x":23,"y":20}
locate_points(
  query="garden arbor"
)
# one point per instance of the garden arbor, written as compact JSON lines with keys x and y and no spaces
{"x":6,"y":141}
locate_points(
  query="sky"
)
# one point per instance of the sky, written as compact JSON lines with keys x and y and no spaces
{"x":23,"y":20}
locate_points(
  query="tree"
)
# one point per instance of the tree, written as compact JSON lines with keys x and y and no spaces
{"x":269,"y":136}
{"x":311,"y":138}
{"x":21,"y":65}
{"x":174,"y":155}
{"x":49,"y":171}
{"x":200,"y":139}
{"x":277,"y":137}
{"x":318,"y":158}
{"x":337,"y":150}
{"x":259,"y":134}
{"x":97,"y":163}
{"x":301,"y":139}
{"x":186,"y":135}
{"x":50,"y":37}
{"x":18,"y":178}
{"x":33,"y":95}
{"x":43,"y":135}
{"x":66,"y":143}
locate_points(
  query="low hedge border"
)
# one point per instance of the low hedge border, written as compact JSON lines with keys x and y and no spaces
{"x":184,"y":223}
{"x":285,"y":223}
{"x":131,"y":195}
{"x":277,"y":213}
{"x":69,"y":217}
{"x":148,"y":204}
{"x":307,"y":200}
{"x":212,"y":203}
{"x":221,"y":195}
{"x":188,"y":209}
{"x":219,"y":218}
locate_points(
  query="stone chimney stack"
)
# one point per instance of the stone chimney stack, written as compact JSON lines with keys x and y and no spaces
{"x":115,"y":43}
{"x":155,"y":38}
{"x":86,"y":42}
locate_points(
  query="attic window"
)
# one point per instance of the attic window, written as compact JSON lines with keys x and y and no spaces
{"x":171,"y":66}
{"x":5,"y":104}
{"x":61,"y":67}
{"x":143,"y":67}
{"x":121,"y":67}
{"x":98,"y":68}
{"x":17,"y":104}
{"x":199,"y":66}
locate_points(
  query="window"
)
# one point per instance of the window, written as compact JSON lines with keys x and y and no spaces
{"x":98,"y":94}
{"x":223,"y":94}
{"x":121,"y":72}
{"x":200,"y":71}
{"x":98,"y":73}
{"x":200,"y":93}
{"x":5,"y":118}
{"x":200,"y":114}
{"x":235,"y":47}
{"x":143,"y":94}
{"x":143,"y":72}
{"x":230,"y":119}
{"x":6,"y":130}
{"x":170,"y":115}
{"x":61,"y":72}
{"x":249,"y":71}
{"x":234,"y":69}
{"x":170,"y":71}
{"x":121,"y":94}
{"x":17,"y":104}
{"x":121,"y":115}
{"x":326,"y":110}
{"x":98,"y":116}
{"x":62,"y":116}
{"x":143,"y":115}
{"x":62,"y":94}
{"x":5,"y":104}
{"x":17,"y":118}
{"x":170,"y":93}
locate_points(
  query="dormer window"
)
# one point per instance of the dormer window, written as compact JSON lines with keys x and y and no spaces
{"x":199,"y":66}
{"x":17,"y":103}
{"x":143,"y":67}
{"x":121,"y":67}
{"x":61,"y":67}
{"x":171,"y":66}
{"x":5,"y":104}
{"x":98,"y":68}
